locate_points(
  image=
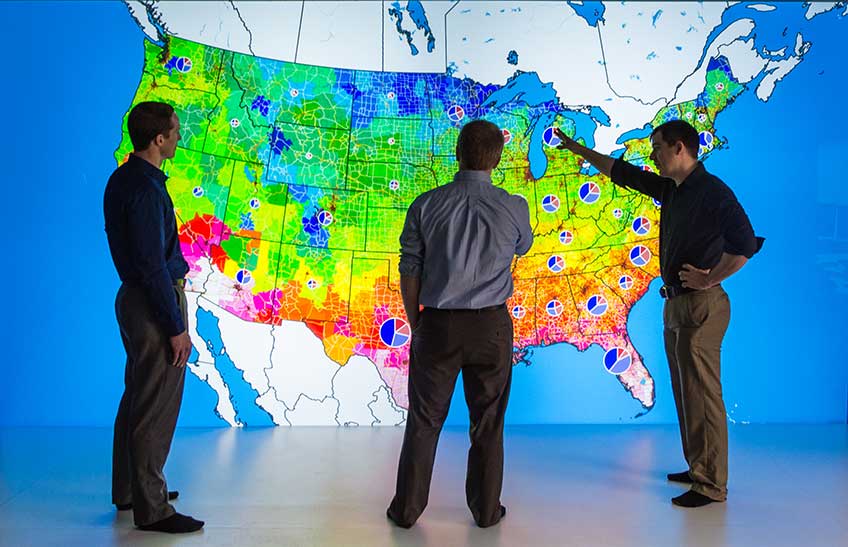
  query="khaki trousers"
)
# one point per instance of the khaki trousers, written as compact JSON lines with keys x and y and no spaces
{"x":695,"y":324}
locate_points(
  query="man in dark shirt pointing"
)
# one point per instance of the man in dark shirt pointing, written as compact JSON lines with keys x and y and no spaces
{"x":705,"y":237}
{"x":457,"y":247}
{"x":151,"y":311}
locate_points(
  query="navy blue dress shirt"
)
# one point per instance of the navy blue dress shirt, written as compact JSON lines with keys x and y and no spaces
{"x":143,"y":238}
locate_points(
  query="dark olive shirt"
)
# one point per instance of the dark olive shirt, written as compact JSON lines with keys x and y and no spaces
{"x":143,"y":238}
{"x":699,"y":220}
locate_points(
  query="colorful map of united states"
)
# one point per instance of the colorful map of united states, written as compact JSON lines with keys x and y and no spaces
{"x":291,"y":184}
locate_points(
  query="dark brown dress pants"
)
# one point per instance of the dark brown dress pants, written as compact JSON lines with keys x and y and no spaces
{"x":695,"y":324}
{"x":147,"y":415}
{"x":479,"y":343}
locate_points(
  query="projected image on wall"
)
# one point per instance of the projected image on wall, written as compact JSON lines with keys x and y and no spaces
{"x":292,"y":181}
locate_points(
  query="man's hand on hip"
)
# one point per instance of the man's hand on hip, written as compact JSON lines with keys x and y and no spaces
{"x":180,"y":349}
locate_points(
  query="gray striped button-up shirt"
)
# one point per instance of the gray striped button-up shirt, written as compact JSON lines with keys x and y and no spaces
{"x":460,"y":239}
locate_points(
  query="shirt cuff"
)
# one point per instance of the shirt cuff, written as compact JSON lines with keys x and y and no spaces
{"x":409,"y":267}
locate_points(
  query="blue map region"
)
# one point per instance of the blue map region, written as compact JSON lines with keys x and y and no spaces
{"x":171,"y":65}
{"x":246,"y":221}
{"x":414,"y":95}
{"x":278,"y":141}
{"x":249,"y":174}
{"x":418,"y":16}
{"x":512,"y":57}
{"x":526,"y":87}
{"x":242,"y":395}
{"x":592,"y":12}
{"x":261,"y":104}
{"x":301,"y":193}
{"x":318,"y":235}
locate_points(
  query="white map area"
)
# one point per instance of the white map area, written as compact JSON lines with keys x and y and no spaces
{"x":292,"y":389}
{"x":641,"y":57}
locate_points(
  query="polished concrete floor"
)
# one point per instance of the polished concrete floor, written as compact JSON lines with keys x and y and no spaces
{"x":565,"y":485}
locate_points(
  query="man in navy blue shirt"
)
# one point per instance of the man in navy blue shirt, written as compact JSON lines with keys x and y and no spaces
{"x":151,"y":311}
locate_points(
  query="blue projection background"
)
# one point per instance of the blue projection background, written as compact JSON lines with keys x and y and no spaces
{"x":70,"y":71}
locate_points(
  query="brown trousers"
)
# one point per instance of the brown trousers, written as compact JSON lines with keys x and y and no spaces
{"x":695,"y":324}
{"x":147,"y":415}
{"x":479,"y":343}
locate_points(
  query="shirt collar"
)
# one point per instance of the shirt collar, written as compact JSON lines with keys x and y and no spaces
{"x":147,"y":168}
{"x":695,"y":175}
{"x":468,"y":175}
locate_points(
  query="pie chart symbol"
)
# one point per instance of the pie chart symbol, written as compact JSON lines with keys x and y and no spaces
{"x":617,"y":361}
{"x":550,"y":203}
{"x":395,"y":332}
{"x":554,"y":308}
{"x":589,"y":192}
{"x":597,"y":305}
{"x":640,"y":255}
{"x":641,"y":226}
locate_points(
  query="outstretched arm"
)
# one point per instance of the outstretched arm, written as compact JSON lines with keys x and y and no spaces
{"x":601,"y":162}
{"x":619,"y":171}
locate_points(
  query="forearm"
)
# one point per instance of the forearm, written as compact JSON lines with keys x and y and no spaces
{"x":410,"y":287}
{"x":601,"y":162}
{"x":727,"y":266}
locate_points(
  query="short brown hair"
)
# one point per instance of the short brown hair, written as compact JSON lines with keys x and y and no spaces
{"x":679,"y":130}
{"x":147,"y":120}
{"x":479,"y":146}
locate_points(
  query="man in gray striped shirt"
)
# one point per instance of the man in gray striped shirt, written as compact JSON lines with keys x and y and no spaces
{"x":457,"y":246}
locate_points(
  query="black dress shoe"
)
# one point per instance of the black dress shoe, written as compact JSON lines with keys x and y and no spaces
{"x":175,"y":524}
{"x":692,"y":499}
{"x":683,"y":477}
{"x":172,"y":495}
{"x":502,"y":515}
{"x":399,"y":523}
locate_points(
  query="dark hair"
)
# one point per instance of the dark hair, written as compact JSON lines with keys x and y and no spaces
{"x":679,"y":131}
{"x":146,"y":121}
{"x":479,"y":145}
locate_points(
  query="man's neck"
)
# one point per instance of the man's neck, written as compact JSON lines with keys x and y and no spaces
{"x":151,"y":156}
{"x":685,"y":172}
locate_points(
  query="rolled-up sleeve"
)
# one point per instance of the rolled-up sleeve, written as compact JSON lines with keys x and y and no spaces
{"x":525,"y":231}
{"x":739,"y":238}
{"x":411,"y":244}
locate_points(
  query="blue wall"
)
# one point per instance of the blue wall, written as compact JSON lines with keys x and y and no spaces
{"x":69,"y":73}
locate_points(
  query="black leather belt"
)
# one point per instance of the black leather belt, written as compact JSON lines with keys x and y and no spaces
{"x":477,"y":310}
{"x":670,"y":291}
